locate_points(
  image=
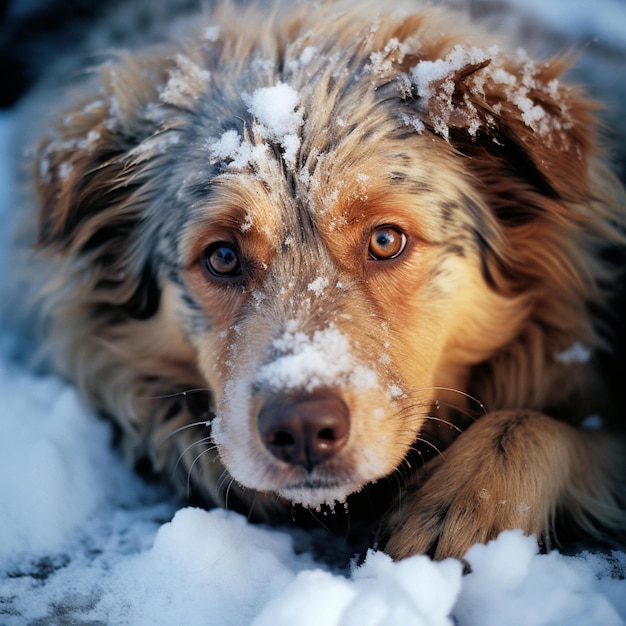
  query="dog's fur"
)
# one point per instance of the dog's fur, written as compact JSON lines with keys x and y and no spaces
{"x":484,"y":163}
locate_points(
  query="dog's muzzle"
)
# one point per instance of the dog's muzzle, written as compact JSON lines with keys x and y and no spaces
{"x":304,"y":430}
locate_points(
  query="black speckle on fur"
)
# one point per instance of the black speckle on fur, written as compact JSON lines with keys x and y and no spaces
{"x":144,"y":467}
{"x":448,"y":210}
{"x":482,"y":234}
{"x":455,"y":249}
{"x":418,"y":188}
{"x":142,"y":305}
{"x":485,"y":251}
{"x":147,"y":298}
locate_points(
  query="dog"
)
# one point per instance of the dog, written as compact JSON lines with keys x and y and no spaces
{"x":316,"y":257}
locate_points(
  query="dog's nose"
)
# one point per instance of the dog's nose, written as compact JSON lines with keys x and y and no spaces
{"x":306,"y":430}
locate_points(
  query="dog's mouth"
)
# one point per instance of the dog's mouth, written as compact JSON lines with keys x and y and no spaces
{"x":315,"y":493}
{"x":306,"y":436}
{"x":303,"y":451}
{"x":307,"y":432}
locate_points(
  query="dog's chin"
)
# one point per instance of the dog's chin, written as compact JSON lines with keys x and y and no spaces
{"x":315,"y":494}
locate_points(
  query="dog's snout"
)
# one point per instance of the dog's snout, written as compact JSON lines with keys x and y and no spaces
{"x":304,"y":431}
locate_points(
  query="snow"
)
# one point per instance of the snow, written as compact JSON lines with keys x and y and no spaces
{"x":211,"y":33}
{"x":275,"y":110}
{"x":435,"y":83}
{"x":83,"y":540}
{"x":577,"y":353}
{"x":494,"y":586}
{"x":312,"y":362}
{"x":279,"y":117}
{"x":416,"y":592}
{"x":318,"y":286}
{"x":428,"y":73}
{"x":185,"y":82}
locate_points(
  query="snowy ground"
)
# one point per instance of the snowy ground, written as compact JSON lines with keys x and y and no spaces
{"x":82,"y":540}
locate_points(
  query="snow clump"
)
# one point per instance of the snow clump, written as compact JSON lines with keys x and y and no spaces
{"x":576,"y":353}
{"x":444,"y":105}
{"x":309,"y":362}
{"x":279,"y":117}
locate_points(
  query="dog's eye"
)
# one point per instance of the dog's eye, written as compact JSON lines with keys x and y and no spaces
{"x":222,"y":260}
{"x":386,"y":242}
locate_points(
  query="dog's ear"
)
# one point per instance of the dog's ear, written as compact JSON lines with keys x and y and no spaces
{"x":90,"y":189}
{"x":84,"y":171}
{"x":509,"y":115}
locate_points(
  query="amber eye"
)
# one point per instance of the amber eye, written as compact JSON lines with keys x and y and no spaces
{"x":386,"y":242}
{"x":222,"y":260}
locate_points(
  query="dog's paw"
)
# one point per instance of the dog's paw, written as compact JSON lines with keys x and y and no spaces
{"x":443,"y":522}
{"x":506,"y":471}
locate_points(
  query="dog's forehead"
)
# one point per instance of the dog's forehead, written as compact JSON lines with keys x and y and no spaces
{"x":294,"y":165}
{"x":326,"y":210}
{"x":332,"y":199}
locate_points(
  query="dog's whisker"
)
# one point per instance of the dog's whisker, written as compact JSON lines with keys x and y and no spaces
{"x":230,"y":484}
{"x":200,"y":442}
{"x":411,"y":410}
{"x":460,"y":392}
{"x":175,"y":394}
{"x":180,"y":429}
{"x":316,"y":518}
{"x":446,"y":422}
{"x":400,"y":478}
{"x":251,"y":508}
{"x":346,"y":534}
{"x":195,"y":444}
{"x":464,"y":394}
{"x":189,"y":472}
{"x":461,"y":410}
{"x":222,"y":480}
{"x":430,"y":445}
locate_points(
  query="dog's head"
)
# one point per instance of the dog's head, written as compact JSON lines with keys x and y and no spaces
{"x":330,"y":223}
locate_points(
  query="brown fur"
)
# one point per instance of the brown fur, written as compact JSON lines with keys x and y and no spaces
{"x":506,"y":219}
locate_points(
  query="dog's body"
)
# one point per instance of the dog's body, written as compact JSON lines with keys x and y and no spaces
{"x":286,"y":253}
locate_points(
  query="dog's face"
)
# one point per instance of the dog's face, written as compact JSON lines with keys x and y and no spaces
{"x":331,"y":309}
{"x":332,"y":247}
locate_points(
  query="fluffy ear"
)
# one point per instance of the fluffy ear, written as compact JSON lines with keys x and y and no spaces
{"x":89,"y":184}
{"x":83,"y":167}
{"x":515,"y":115}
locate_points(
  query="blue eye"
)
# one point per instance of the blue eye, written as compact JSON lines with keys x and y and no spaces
{"x":386,"y":242}
{"x":222,"y":260}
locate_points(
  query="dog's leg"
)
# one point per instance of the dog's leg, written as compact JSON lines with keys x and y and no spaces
{"x":510,"y":470}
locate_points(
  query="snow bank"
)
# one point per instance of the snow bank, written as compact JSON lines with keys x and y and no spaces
{"x":546,"y":589}
{"x":46,"y":480}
